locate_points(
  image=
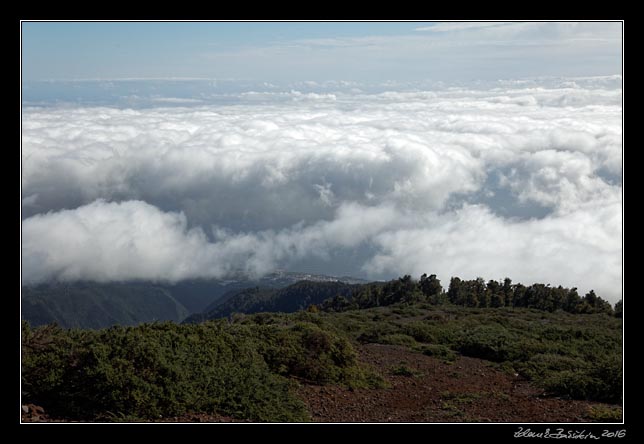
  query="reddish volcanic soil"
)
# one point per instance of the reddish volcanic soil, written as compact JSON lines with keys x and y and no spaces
{"x":468,"y":390}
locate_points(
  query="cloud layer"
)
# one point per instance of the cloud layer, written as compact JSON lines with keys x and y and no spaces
{"x":424,"y":181}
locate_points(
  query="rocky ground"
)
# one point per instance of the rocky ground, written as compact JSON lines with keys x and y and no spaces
{"x":426,"y":389}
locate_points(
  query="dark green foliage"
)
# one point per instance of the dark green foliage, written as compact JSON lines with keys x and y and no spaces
{"x":306,"y":351}
{"x":508,"y":292}
{"x":455,"y":292}
{"x":396,"y":339}
{"x":431,"y":287}
{"x":403,"y":370}
{"x":403,"y":289}
{"x":339,"y":297}
{"x":491,"y":342}
{"x":494,"y":294}
{"x":153,"y":370}
{"x":292,"y":298}
{"x":366,"y":296}
{"x":241,"y":369}
{"x":94,"y":305}
{"x":439,"y":351}
{"x":618,"y":309}
{"x":337,"y":303}
{"x":598,"y":304}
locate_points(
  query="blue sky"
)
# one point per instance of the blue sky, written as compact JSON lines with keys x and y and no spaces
{"x":296,"y":51}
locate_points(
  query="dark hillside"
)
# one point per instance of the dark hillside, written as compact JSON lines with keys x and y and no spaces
{"x":287,"y":300}
{"x":92,"y":305}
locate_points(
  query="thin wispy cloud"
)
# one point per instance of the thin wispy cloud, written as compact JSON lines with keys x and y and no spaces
{"x":443,"y":51}
{"x":292,"y":52}
{"x":458,"y":26}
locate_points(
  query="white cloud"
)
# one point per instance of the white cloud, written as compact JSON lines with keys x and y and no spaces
{"x":273,"y":177}
{"x":111,"y":241}
{"x":106,"y":241}
{"x":580,"y":249}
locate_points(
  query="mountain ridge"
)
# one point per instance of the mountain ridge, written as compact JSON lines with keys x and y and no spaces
{"x":88,"y":304}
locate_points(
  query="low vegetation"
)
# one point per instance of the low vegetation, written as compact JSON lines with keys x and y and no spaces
{"x":246,"y":370}
{"x":247,"y":366}
{"x":568,"y":355}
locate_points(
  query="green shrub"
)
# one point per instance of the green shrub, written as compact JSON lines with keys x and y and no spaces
{"x":540,"y":365}
{"x":374,"y":333}
{"x":439,"y":351}
{"x":397,"y":339}
{"x":306,"y":351}
{"x":157,"y":370}
{"x":577,"y":385}
{"x":403,"y":370}
{"x":491,"y":342}
{"x":420,"y":331}
{"x":602,"y":413}
{"x":575,"y":378}
{"x":607,"y":371}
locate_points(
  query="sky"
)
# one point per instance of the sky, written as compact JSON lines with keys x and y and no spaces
{"x":319,"y":51}
{"x":186,"y":150}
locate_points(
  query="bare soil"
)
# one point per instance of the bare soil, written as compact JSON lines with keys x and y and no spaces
{"x":467,"y":390}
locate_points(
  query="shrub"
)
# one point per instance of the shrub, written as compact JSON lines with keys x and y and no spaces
{"x":156,"y":370}
{"x":420,"y":331}
{"x":403,"y":370}
{"x":306,"y":351}
{"x":540,"y":365}
{"x":375,"y":332}
{"x":397,"y":339}
{"x":569,"y":383}
{"x":492,"y":342}
{"x":439,"y":351}
{"x":604,"y":413}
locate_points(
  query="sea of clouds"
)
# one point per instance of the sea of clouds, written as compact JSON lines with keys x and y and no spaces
{"x":518,"y":179}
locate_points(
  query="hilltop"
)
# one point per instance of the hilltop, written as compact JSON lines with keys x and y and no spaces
{"x":415,"y":357}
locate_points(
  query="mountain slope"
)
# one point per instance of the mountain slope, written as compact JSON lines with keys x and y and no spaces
{"x":93,"y":305}
{"x":97,"y":305}
{"x":289,"y":299}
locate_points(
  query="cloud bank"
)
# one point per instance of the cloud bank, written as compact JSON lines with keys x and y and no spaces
{"x":519,"y":180}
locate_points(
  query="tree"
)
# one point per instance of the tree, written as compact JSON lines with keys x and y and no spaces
{"x":572,"y":301}
{"x":474,"y":293}
{"x":618,"y":309}
{"x":519,"y":297}
{"x":482,"y":296}
{"x":367,"y":296}
{"x":337,"y":303}
{"x":402,"y":289}
{"x":431,"y":288}
{"x":591,"y":298}
{"x":598,"y":304}
{"x":455,"y":292}
{"x":559,"y":297}
{"x":495,"y":294}
{"x":508,"y":292}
